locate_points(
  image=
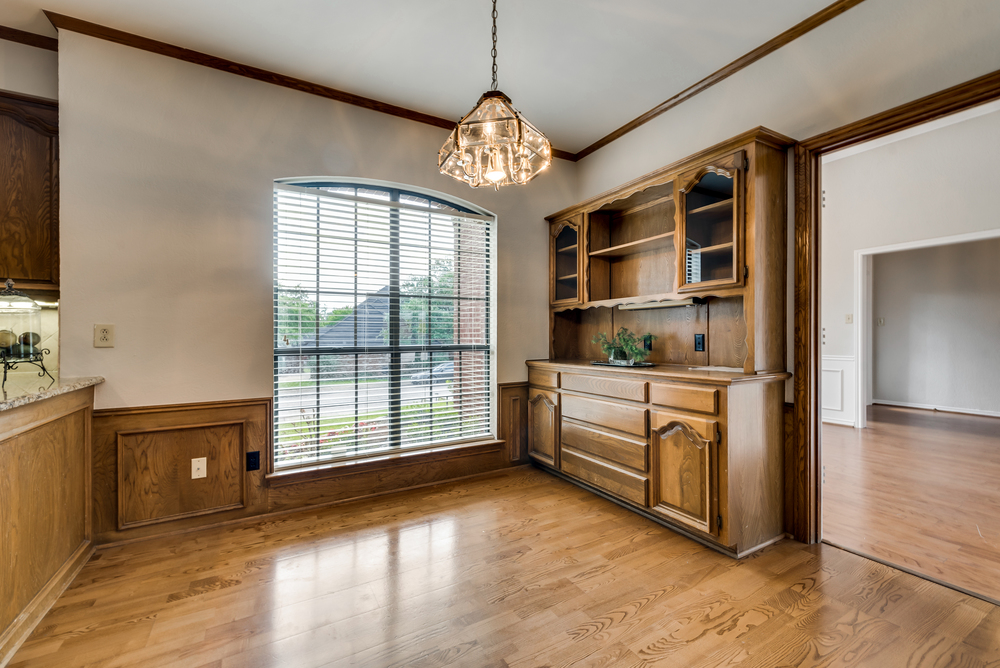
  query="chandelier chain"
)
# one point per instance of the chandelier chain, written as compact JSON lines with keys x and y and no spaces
{"x":494,"y":52}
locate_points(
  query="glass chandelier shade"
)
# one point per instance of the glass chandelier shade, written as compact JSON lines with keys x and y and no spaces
{"x":494,"y":146}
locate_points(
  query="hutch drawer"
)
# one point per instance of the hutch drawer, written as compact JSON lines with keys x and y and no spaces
{"x":627,"y":452}
{"x":630,"y":419}
{"x":541,"y":377}
{"x":685,"y":397}
{"x":616,"y":388}
{"x":619,"y":482}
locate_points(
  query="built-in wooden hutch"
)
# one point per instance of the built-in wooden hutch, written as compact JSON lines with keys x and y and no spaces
{"x":695,"y":248}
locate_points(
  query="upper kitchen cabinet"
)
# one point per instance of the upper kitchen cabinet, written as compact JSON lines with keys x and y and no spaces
{"x":29,"y":192}
{"x":566,"y":261}
{"x":711,"y":223}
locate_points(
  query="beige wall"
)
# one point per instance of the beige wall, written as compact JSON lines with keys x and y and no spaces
{"x":873,"y":57}
{"x":926,"y":185}
{"x":28,"y":69}
{"x":166,"y":218}
{"x":939,"y":346}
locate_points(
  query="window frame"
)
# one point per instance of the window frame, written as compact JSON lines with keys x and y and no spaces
{"x":395,"y":191}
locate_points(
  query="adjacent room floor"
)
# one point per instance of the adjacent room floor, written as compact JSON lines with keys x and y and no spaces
{"x":513,"y":569}
{"x":920,"y":489}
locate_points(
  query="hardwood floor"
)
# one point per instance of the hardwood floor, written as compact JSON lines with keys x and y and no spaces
{"x":919,"y":489}
{"x":512,"y":569}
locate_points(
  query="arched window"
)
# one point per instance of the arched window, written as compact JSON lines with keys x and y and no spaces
{"x":383,"y":332}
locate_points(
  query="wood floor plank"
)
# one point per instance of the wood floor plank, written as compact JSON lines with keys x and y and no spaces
{"x":918,"y":489}
{"x":517,"y":569}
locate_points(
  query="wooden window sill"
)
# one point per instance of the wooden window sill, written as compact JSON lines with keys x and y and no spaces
{"x":337,"y":469}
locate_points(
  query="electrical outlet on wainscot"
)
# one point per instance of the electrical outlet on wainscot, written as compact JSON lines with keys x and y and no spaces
{"x":199,"y":467}
{"x":104,"y":336}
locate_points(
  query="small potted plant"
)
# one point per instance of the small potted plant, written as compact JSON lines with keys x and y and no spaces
{"x":625,"y":349}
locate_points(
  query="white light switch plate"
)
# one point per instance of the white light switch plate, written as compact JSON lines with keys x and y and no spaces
{"x":849,"y":319}
{"x":104,"y":336}
{"x":199,"y":466}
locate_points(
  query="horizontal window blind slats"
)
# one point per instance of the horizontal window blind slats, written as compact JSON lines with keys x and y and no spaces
{"x":382,"y":305}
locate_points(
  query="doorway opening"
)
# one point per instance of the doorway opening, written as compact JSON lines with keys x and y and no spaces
{"x":909,"y":377}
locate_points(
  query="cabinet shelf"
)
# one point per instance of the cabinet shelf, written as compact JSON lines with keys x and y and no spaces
{"x":567,"y":249}
{"x":665,"y":240}
{"x":708,"y":250}
{"x":570,"y":277}
{"x":714,"y":206}
{"x":648,"y":299}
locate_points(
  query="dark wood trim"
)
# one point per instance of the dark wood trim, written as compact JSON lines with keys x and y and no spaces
{"x":790,"y":35}
{"x":173,"y":408}
{"x":29,"y":38}
{"x":805,"y":473}
{"x":63,"y":22}
{"x":390,"y":461}
{"x":931,"y":107}
{"x":32,"y":99}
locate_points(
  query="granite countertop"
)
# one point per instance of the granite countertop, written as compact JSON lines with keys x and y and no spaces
{"x":22,"y":389}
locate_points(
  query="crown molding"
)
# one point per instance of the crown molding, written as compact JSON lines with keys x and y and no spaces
{"x":63,"y":22}
{"x":790,"y":35}
{"x":29,"y":38}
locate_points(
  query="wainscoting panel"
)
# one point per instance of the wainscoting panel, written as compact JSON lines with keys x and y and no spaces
{"x":154,"y":472}
{"x":397,"y":473}
{"x":142,"y":467}
{"x":151,"y":449}
{"x":838,"y":389}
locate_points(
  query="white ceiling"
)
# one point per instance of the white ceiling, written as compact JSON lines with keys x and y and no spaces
{"x":577,"y":69}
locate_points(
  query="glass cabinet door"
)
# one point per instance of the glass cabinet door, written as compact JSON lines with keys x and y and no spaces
{"x":565,"y":261}
{"x":711,"y":225}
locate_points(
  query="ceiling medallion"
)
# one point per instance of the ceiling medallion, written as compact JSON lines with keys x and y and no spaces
{"x":493,"y":145}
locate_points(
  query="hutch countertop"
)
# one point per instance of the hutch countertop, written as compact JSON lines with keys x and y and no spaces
{"x":662,"y":372}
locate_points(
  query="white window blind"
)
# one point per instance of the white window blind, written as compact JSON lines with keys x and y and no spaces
{"x":382,"y":322}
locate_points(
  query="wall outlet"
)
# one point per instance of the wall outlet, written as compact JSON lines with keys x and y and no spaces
{"x":199,"y":467}
{"x":253,"y":461}
{"x":104,"y":336}
{"x":849,"y":318}
{"x":699,"y":343}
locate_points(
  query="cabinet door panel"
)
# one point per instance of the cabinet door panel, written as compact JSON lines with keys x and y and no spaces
{"x":684,"y":473}
{"x":543,"y":425}
{"x":566,"y":264}
{"x":28,"y":198}
{"x":710,"y":238}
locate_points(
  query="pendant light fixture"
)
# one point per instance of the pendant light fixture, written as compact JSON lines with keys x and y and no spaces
{"x":493,"y":145}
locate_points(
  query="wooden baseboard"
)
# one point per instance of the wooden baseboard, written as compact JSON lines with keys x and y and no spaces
{"x":19,"y":630}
